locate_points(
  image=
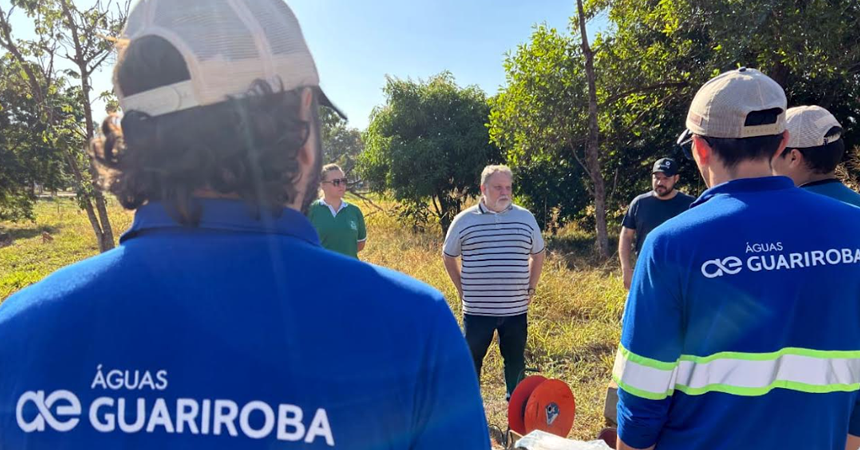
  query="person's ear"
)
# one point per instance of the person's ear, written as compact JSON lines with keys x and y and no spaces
{"x":782,"y":144}
{"x":307,"y":154}
{"x":702,"y":151}
{"x":795,"y":158}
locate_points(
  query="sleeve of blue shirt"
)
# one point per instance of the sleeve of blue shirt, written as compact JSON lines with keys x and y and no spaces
{"x":651,"y":345}
{"x":630,"y":216}
{"x":450,"y":411}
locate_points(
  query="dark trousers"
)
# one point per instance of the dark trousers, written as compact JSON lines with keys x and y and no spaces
{"x":513,"y":332}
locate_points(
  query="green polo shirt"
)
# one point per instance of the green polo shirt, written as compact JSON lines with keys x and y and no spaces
{"x":340,"y":231}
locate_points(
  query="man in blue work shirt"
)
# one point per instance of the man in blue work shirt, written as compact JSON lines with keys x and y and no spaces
{"x":741,"y":325}
{"x":205,"y":328}
{"x":815,"y":148}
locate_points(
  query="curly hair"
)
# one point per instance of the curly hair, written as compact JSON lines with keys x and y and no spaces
{"x":245,"y":146}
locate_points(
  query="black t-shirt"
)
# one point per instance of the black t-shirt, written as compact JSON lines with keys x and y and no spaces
{"x":647,"y":212}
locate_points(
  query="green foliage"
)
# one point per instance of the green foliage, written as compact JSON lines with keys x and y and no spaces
{"x":341,"y":145}
{"x":809,"y":47}
{"x":68,"y":45}
{"x":552,"y":189}
{"x":540,"y":121}
{"x":428,"y":145}
{"x":650,"y":63}
{"x":29,"y":155}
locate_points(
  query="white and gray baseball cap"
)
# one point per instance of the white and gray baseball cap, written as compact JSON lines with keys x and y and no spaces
{"x":721,"y":106}
{"x":227,"y":45}
{"x":808,"y":126}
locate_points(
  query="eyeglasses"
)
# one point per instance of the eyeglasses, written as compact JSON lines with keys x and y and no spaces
{"x":685,"y":142}
{"x":337,"y":182}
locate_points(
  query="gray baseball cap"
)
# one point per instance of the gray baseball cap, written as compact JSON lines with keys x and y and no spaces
{"x":227,"y":45}
{"x":808,"y":127}
{"x":721,"y":106}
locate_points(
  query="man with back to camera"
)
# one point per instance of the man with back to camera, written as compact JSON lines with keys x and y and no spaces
{"x":815,"y":148}
{"x":740,"y":330}
{"x":649,"y":210}
{"x":205,"y":328}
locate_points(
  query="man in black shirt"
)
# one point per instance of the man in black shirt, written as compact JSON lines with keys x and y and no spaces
{"x":649,"y":210}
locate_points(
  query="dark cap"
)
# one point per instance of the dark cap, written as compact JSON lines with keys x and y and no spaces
{"x":667,"y":166}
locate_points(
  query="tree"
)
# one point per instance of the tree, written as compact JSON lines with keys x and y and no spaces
{"x":540,"y":120}
{"x":647,"y":69}
{"x":428,"y":145}
{"x":80,"y":36}
{"x":25,"y":158}
{"x":341,"y":144}
{"x":592,"y":149}
{"x":673,"y":47}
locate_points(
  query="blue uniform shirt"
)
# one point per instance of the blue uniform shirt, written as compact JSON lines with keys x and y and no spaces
{"x":834,"y":189}
{"x":239,"y":333}
{"x":742,"y":327}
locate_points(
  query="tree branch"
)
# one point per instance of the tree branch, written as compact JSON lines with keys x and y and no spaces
{"x":367,"y":201}
{"x":8,"y":43}
{"x":76,"y":41}
{"x":580,"y":161}
{"x":94,"y":66}
{"x":639,"y":118}
{"x":638,"y":90}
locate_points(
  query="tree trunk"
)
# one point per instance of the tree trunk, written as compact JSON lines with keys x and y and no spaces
{"x":105,"y":238}
{"x":444,"y":212}
{"x":592,"y":149}
{"x":85,"y":202}
{"x":101,"y":223}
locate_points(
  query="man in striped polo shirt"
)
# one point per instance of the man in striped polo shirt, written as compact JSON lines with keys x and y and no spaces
{"x":502,"y":255}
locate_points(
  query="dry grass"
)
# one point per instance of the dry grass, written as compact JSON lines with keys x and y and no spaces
{"x":574,"y":321}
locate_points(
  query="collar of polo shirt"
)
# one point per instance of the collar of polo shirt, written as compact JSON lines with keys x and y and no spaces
{"x":485,"y":210}
{"x":331,"y":208}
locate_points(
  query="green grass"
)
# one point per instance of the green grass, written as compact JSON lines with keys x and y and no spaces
{"x":574,"y":320}
{"x":29,"y":259}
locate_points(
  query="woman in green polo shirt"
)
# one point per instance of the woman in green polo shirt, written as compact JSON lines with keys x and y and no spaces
{"x":339,"y":224}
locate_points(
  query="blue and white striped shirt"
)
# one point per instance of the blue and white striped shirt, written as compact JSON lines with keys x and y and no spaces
{"x":495,"y":248}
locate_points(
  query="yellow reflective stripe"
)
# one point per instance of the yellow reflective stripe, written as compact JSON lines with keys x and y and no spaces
{"x":640,"y":377}
{"x":630,"y":356}
{"x":745,"y":374}
{"x":759,"y":376}
{"x":773,"y":355}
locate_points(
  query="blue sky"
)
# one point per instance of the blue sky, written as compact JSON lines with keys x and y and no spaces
{"x":356,"y":44}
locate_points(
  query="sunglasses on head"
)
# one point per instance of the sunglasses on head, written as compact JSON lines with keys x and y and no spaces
{"x":337,"y":182}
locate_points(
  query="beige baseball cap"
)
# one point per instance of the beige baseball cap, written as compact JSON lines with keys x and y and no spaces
{"x":227,"y":45}
{"x":721,"y":106}
{"x":808,"y":127}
